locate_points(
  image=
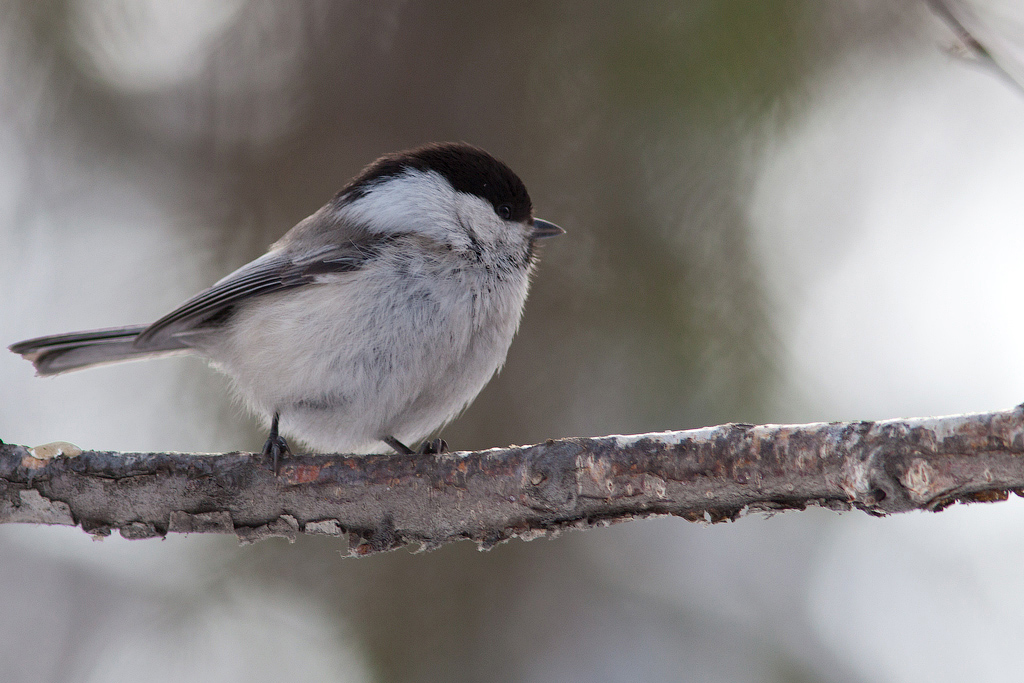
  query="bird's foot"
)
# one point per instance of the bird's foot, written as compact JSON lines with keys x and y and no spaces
{"x":276,"y":447}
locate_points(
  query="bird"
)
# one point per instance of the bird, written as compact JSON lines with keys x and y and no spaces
{"x":370,"y":324}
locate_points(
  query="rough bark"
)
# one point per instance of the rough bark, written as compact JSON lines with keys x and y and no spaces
{"x":382,"y":502}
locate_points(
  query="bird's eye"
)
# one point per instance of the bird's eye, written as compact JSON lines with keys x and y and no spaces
{"x":505,"y":211}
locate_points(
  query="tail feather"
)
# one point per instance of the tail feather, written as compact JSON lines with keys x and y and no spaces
{"x":78,"y":350}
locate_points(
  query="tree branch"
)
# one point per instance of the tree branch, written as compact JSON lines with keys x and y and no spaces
{"x":382,"y":502}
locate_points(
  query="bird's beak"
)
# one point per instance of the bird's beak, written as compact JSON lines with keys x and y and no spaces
{"x":542,"y":229}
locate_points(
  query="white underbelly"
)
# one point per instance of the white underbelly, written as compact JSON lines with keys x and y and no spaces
{"x":350,"y":362}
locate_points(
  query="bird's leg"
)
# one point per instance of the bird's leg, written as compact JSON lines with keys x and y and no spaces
{"x":432,"y":447}
{"x":399,"y":447}
{"x":276,"y":446}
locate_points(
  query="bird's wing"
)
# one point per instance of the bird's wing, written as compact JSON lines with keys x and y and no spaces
{"x":273,"y":272}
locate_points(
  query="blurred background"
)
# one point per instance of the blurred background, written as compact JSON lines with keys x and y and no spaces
{"x":782,"y":211}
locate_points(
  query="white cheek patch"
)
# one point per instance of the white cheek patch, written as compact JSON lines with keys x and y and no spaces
{"x":424,"y":202}
{"x":416,"y":201}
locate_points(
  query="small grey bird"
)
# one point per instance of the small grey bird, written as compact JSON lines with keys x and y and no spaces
{"x":378,"y":319}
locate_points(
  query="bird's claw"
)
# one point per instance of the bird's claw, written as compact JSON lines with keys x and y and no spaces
{"x":276,"y":447}
{"x":433,"y":447}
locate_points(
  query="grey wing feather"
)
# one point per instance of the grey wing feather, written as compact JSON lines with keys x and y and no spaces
{"x":284,"y":268}
{"x":273,"y":272}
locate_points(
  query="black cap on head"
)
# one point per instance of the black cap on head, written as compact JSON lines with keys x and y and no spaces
{"x":469,"y":169}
